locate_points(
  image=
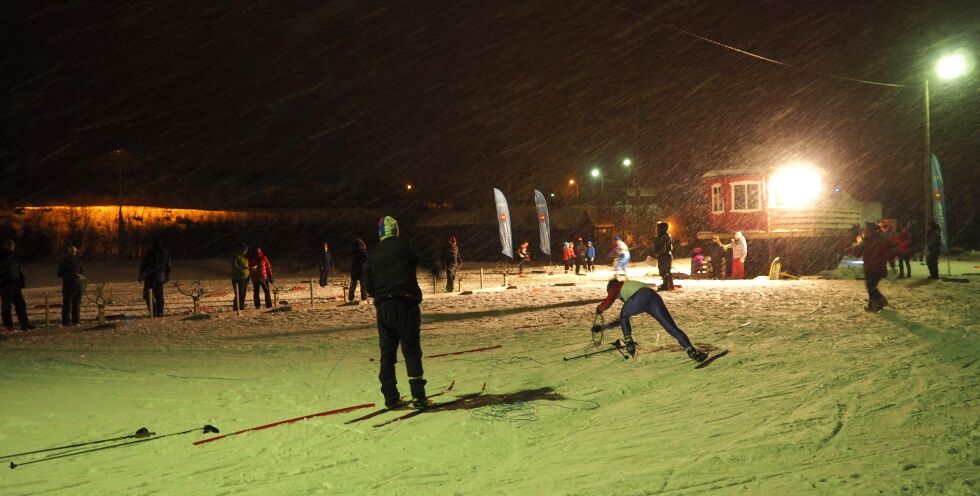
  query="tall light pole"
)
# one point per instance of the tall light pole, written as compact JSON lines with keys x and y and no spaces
{"x":948,"y":67}
{"x":596,"y":173}
{"x":573,"y":182}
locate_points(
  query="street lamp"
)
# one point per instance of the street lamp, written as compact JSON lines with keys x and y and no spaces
{"x":408,"y":187}
{"x":596,"y":173}
{"x":572,"y":182}
{"x":627,"y":162}
{"x":949,"y":66}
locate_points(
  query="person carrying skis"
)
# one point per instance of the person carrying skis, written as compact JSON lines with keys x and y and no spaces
{"x":639,"y":298}
{"x":903,"y":246}
{"x":240,"y":275}
{"x":875,"y":250}
{"x":663,"y":250}
{"x":358,"y":257}
{"x":452,"y":262}
{"x":261,"y":271}
{"x":622,"y":255}
{"x":523,"y":257}
{"x":154,"y":273}
{"x":12,"y":282}
{"x":389,"y":276}
{"x":590,"y":258}
{"x":70,"y":271}
{"x":326,"y":265}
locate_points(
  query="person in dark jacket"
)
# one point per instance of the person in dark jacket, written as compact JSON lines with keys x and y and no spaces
{"x":875,"y":250}
{"x":716,"y":251}
{"x":154,"y":273}
{"x":326,"y":265}
{"x":903,"y":246}
{"x":580,"y":254}
{"x":239,"y":276}
{"x":663,"y":250}
{"x":70,"y":271}
{"x":390,"y":278}
{"x":451,"y":262}
{"x":358,"y":257}
{"x":934,"y":246}
{"x":261,"y":271}
{"x":523,"y":257}
{"x":12,"y":282}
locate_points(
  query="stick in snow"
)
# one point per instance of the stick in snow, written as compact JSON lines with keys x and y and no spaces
{"x":283,"y":422}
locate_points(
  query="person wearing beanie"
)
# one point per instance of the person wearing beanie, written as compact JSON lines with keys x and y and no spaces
{"x":663,"y":250}
{"x":697,"y":262}
{"x":358,"y":257}
{"x":70,"y":271}
{"x":326,"y":265}
{"x":154,"y":273}
{"x":12,"y":282}
{"x":261,"y":271}
{"x":580,"y":253}
{"x":240,"y":275}
{"x":740,"y":250}
{"x":389,"y":276}
{"x":590,"y":257}
{"x":875,"y":250}
{"x":639,"y":298}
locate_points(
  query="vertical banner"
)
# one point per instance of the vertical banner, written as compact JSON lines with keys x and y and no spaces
{"x":503,"y":221}
{"x":544,"y":222}
{"x":939,"y":201}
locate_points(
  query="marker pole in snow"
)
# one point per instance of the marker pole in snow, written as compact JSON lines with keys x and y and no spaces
{"x":311,"y":293}
{"x":47,"y":312}
{"x":140,"y":433}
{"x":206,"y":429}
{"x":481,"y":277}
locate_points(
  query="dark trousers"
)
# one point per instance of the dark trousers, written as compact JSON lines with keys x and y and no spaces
{"x":590,"y":264}
{"x":354,"y":279}
{"x":12,"y":296}
{"x":71,"y":302}
{"x":568,"y":265}
{"x":264,"y":286}
{"x":578,"y":265}
{"x":871,"y":280}
{"x":399,"y":323}
{"x":905,"y":265}
{"x":645,"y":300}
{"x":718,"y":268}
{"x":155,"y":288}
{"x":663,"y":265}
{"x":239,"y":289}
{"x":450,"y":278}
{"x":932,"y":261}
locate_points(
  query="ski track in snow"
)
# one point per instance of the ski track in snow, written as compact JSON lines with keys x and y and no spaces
{"x":817,"y":395}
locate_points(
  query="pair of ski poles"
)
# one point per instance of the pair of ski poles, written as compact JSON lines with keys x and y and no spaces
{"x":141,"y":435}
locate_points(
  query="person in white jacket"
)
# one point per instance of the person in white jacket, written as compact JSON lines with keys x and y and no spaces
{"x":739,"y":250}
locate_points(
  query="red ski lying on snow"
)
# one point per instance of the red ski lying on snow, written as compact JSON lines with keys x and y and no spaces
{"x":283,"y":422}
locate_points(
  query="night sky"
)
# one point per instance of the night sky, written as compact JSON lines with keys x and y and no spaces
{"x":248,"y":104}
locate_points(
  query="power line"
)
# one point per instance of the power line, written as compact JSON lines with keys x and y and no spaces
{"x":753,"y":55}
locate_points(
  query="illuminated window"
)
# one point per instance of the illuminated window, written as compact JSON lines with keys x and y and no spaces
{"x":746,"y":196}
{"x":717,"y":199}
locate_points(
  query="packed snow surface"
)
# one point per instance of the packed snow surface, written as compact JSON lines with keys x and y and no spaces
{"x":816,"y":395}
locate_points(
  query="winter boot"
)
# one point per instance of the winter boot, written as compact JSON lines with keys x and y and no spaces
{"x":392,"y":398}
{"x":419,"y":400}
{"x":630,"y":346}
{"x":696,"y":354}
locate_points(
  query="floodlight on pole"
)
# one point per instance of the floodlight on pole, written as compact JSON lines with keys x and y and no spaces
{"x":627,"y":162}
{"x":952,"y":66}
{"x":596,"y":173}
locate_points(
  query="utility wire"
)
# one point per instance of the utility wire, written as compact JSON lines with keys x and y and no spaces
{"x":753,"y":55}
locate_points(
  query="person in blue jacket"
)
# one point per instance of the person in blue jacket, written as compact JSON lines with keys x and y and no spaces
{"x":590,"y":257}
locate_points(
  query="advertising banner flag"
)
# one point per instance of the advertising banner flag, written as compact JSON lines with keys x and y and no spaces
{"x":939,"y":201}
{"x":544,"y":222}
{"x":503,"y":221}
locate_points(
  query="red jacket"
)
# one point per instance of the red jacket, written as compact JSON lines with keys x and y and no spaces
{"x":260,"y":265}
{"x":876,"y":250}
{"x":903,"y":242}
{"x":567,"y":253}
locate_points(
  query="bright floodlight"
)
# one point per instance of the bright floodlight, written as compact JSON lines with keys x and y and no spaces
{"x":595,"y":172}
{"x":951,"y":66}
{"x":571,"y":182}
{"x":794,"y":186}
{"x":627,"y":162}
{"x":408,"y":187}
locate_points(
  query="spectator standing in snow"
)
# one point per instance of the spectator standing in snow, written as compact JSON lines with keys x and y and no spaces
{"x":716,"y":250}
{"x":638,"y":298}
{"x":523,"y":257}
{"x":568,"y":254}
{"x":621,"y":252}
{"x":390,"y":279}
{"x":590,"y":257}
{"x":12,"y":282}
{"x":452,"y":262}
{"x":740,"y":250}
{"x":934,"y":245}
{"x":326,"y":265}
{"x":580,"y":254}
{"x":239,"y":275}
{"x":875,"y":250}
{"x":358,"y":257}
{"x":903,"y":246}
{"x":70,"y":271}
{"x":663,"y":250}
{"x":697,"y":262}
{"x":154,"y":273}
{"x":261,"y":271}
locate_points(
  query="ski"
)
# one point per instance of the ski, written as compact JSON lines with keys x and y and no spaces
{"x":283,"y":422}
{"x":466,"y":351}
{"x":434,"y":406}
{"x":401,"y":406}
{"x":710,"y":359}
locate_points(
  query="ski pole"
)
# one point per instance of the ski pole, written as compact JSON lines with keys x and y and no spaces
{"x":207,"y":428}
{"x":140,"y":433}
{"x":614,"y":346}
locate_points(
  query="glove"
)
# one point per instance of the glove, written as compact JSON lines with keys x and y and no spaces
{"x":597,"y":328}
{"x":272,"y":282}
{"x":598,"y":310}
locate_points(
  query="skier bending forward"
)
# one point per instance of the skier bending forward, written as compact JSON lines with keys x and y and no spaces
{"x":639,"y":298}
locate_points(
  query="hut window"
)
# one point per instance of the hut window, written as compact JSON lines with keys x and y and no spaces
{"x":746,"y":196}
{"x":717,"y":199}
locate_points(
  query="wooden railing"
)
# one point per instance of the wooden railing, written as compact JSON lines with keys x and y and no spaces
{"x":810,"y":219}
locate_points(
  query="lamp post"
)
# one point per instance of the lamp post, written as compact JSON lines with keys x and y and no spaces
{"x":573,"y":182}
{"x":596,"y":173}
{"x":948,"y":67}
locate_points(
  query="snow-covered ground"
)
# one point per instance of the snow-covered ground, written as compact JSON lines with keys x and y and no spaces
{"x":816,"y":395}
